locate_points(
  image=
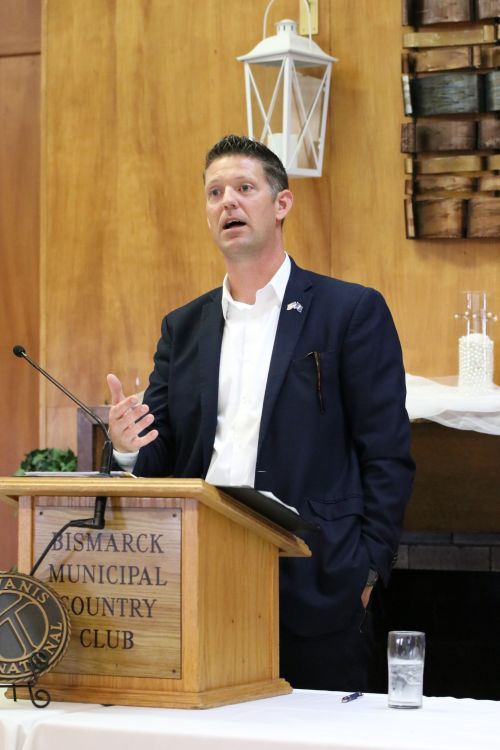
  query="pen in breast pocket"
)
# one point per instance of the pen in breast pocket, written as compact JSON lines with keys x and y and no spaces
{"x":319,"y":391}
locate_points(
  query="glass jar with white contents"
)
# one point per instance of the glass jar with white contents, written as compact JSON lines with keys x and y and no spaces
{"x":475,"y":347}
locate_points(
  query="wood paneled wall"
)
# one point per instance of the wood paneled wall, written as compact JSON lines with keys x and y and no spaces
{"x":19,"y":241}
{"x":135,"y":93}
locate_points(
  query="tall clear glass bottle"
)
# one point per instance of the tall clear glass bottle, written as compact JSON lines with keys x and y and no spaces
{"x":475,"y":347}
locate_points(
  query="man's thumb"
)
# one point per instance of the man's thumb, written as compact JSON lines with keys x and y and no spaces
{"x":116,"y":389}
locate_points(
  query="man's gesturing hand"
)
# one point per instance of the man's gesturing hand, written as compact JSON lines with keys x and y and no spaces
{"x":127,"y":418}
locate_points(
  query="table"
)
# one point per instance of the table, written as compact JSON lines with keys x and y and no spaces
{"x":18,"y":719}
{"x":305,"y":719}
{"x":440,"y":400}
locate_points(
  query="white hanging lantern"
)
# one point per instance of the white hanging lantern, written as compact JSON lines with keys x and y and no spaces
{"x":287,"y":84}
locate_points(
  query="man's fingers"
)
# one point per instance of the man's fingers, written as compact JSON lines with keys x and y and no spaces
{"x":140,"y":442}
{"x":125,"y":431}
{"x":127,"y":412}
{"x":116,"y":389}
{"x":127,"y":419}
{"x":135,"y":421}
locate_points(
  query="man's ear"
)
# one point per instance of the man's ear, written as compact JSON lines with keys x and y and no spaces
{"x":284,"y":202}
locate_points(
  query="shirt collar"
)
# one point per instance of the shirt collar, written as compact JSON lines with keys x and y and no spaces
{"x":275,"y":288}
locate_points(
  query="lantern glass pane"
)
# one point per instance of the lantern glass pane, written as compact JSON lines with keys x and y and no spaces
{"x":267,"y":102}
{"x":307,"y":107}
{"x":288,"y":104}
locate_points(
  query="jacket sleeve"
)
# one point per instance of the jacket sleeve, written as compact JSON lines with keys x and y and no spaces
{"x":157,"y":458}
{"x":374,"y":392}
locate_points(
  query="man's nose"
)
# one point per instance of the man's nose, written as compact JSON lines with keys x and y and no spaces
{"x":230,"y":197}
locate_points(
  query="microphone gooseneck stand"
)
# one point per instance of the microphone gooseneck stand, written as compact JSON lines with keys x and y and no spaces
{"x":38,"y":661}
{"x":97,"y":521}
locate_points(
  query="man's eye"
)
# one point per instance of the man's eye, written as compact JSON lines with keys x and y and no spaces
{"x":245,"y":188}
{"x":214,"y":193}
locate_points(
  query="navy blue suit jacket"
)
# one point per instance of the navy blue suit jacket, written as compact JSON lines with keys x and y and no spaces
{"x":346,"y":466}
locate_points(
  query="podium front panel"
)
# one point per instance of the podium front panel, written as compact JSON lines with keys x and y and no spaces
{"x":121,"y":586}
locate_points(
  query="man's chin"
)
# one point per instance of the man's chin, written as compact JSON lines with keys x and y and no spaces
{"x":237,"y":251}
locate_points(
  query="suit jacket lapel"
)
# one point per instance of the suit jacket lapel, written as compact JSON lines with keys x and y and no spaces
{"x":290,"y":324}
{"x":209,"y":348}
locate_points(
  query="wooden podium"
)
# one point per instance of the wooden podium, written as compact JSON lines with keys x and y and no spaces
{"x":174,"y":603}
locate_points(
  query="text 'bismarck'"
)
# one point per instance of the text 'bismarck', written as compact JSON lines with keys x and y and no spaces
{"x":113,"y":542}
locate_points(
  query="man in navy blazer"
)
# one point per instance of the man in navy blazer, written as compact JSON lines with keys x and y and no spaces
{"x":318,"y":362}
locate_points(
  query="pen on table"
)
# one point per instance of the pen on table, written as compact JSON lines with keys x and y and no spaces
{"x":351,"y":697}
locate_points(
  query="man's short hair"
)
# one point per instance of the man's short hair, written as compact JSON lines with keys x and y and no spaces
{"x":240,"y":145}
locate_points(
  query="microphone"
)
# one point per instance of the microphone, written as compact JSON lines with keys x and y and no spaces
{"x":107,"y":451}
{"x":98,"y":521}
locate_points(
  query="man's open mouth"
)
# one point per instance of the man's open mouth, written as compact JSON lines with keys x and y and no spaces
{"x":233,"y":223}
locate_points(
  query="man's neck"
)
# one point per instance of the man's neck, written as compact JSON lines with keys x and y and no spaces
{"x":248,"y":275}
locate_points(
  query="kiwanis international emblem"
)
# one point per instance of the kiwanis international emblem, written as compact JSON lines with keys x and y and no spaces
{"x":34,"y":628}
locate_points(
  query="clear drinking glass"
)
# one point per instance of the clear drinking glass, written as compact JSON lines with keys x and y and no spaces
{"x":405,"y":662}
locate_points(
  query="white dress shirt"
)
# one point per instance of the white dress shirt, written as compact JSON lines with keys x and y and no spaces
{"x":247,"y":345}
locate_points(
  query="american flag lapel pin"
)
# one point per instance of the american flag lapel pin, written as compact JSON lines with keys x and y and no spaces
{"x":295,"y":306}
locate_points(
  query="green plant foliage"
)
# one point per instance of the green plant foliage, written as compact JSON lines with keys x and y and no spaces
{"x":48,"y":459}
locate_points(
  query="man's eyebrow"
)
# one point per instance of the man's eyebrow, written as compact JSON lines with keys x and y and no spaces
{"x":237,"y":178}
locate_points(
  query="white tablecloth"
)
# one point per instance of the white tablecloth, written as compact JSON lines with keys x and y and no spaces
{"x":17,"y":719}
{"x":440,"y":400}
{"x":305,"y":719}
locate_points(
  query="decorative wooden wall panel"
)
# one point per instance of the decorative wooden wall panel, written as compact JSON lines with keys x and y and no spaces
{"x":455,"y":82}
{"x":20,"y":27}
{"x":431,"y":12}
{"x":19,"y":241}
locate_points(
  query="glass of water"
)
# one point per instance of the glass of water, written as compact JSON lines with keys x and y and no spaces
{"x":405,"y":661}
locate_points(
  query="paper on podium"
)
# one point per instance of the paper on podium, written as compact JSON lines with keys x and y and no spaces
{"x":70,"y":474}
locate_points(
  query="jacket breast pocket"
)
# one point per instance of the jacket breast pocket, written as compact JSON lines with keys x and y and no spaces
{"x":331,"y":510}
{"x":315,"y":378}
{"x":306,"y":363}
